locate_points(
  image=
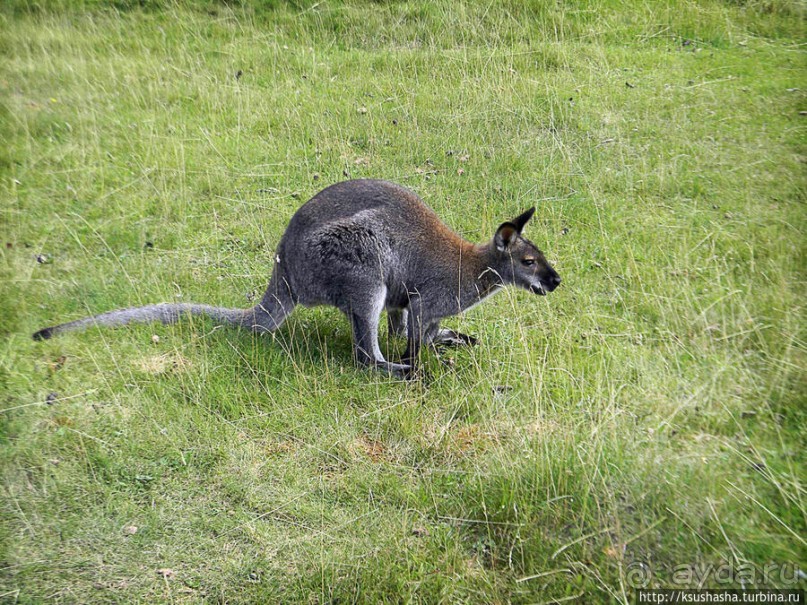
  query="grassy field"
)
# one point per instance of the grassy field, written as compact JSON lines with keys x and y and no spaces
{"x":643,"y":425}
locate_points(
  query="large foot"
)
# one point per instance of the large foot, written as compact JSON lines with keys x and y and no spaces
{"x":398,"y":370}
{"x":413,"y":373}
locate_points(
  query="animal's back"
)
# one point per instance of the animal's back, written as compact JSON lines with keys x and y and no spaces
{"x":357,"y":232}
{"x":396,"y":206}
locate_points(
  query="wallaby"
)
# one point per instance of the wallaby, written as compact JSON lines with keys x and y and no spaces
{"x":364,"y":246}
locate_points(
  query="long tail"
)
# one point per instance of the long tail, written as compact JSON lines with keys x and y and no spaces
{"x":264,"y":317}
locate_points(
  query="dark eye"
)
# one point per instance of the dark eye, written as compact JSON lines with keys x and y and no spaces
{"x":528,"y":261}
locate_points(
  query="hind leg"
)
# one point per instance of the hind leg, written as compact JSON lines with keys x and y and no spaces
{"x":364,"y":316}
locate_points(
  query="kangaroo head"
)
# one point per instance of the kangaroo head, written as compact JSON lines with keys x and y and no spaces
{"x":519,"y":261}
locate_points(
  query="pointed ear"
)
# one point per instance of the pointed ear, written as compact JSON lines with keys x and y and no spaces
{"x":522,"y":219}
{"x":506,"y":234}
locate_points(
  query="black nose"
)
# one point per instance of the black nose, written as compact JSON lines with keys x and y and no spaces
{"x":554,"y":281}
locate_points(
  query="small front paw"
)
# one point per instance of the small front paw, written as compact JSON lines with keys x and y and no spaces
{"x":467,"y":339}
{"x":450,"y":338}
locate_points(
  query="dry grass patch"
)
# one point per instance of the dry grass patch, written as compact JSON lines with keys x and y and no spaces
{"x":165,"y":363}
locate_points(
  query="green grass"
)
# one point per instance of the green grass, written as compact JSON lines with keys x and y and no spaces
{"x":647,"y":416}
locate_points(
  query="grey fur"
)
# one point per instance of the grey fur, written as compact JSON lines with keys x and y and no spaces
{"x":364,"y":246}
